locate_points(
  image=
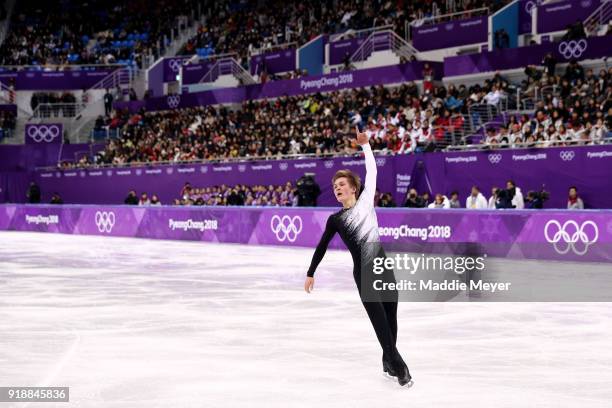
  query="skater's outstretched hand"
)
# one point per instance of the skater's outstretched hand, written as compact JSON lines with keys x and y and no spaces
{"x":360,"y":137}
{"x":309,"y":284}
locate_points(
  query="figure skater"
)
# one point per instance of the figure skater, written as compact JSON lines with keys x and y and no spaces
{"x":357,"y":225}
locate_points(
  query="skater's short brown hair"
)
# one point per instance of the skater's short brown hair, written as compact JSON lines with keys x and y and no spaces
{"x":353,"y":179}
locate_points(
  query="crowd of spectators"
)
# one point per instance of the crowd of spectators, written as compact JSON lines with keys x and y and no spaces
{"x":287,"y":195}
{"x":241,"y":194}
{"x":60,"y":32}
{"x":571,"y":109}
{"x":244,"y":27}
{"x":508,"y":197}
{"x":398,"y":120}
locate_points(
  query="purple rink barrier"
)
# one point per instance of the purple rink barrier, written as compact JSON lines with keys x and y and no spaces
{"x":54,"y":80}
{"x":450,"y":34}
{"x":587,"y":167}
{"x":555,"y":235}
{"x":394,"y":74}
{"x":338,"y":49}
{"x":509,"y":58}
{"x":44,"y":133}
{"x":558,"y":15}
{"x":275,"y":62}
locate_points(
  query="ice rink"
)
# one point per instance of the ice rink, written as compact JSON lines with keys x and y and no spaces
{"x":143,"y":323}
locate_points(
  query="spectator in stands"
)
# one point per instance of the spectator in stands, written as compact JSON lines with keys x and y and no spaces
{"x":549,"y":62}
{"x":574,"y":72}
{"x":454,"y":200}
{"x":515,"y":195}
{"x":413,"y":200}
{"x":386,"y":200}
{"x":575,"y":31}
{"x":108,"y":102}
{"x":33,"y":194}
{"x":476,"y":201}
{"x":133,"y":96}
{"x":428,"y":78}
{"x":574,"y":202}
{"x":144,"y":200}
{"x":155,"y":200}
{"x":131,"y":199}
{"x":491,"y":205}
{"x":440,"y":201}
{"x":502,"y":39}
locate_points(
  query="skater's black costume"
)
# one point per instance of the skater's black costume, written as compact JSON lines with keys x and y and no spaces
{"x":357,"y":227}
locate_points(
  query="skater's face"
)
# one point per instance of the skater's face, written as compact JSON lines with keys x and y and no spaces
{"x":343,"y":190}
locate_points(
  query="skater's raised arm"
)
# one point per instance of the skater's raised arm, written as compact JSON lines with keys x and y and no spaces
{"x":369,"y":188}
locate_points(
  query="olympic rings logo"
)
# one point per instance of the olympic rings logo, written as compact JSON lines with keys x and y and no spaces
{"x":571,"y":236}
{"x":286,"y":227}
{"x":242,"y":168}
{"x":283,"y":166}
{"x":175,"y":64}
{"x":173,"y":101}
{"x":495,"y":158}
{"x":530,"y":5}
{"x":380,"y":161}
{"x":567,"y":155}
{"x":572,"y":48}
{"x":43,"y":132}
{"x":329,"y":164}
{"x":105,"y":221}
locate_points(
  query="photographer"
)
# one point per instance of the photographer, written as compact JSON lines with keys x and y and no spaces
{"x":413,"y":200}
{"x":534,"y":200}
{"x":308,"y":191}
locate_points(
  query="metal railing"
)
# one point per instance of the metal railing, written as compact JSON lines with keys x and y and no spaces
{"x":56,"y":110}
{"x":227,"y":66}
{"x":440,"y":18}
{"x":358,"y":33}
{"x":602,"y":15}
{"x":381,"y":41}
{"x":273,"y":47}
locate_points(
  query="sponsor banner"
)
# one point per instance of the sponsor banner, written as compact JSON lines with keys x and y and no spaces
{"x":582,"y":236}
{"x":450,"y":34}
{"x":274,"y":62}
{"x":394,"y":74}
{"x":509,"y":58}
{"x":557,"y":16}
{"x":54,"y":80}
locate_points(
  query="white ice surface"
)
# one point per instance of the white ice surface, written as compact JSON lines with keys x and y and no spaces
{"x":144,"y":323}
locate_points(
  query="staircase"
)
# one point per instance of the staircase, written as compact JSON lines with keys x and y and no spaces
{"x":600,"y":17}
{"x":385,"y":40}
{"x":228,"y":66}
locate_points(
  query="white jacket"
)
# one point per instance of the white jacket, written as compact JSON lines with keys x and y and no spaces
{"x":517,"y":201}
{"x":476,"y":203}
{"x":445,"y":203}
{"x":492,"y":200}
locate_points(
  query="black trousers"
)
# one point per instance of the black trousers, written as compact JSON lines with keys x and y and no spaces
{"x":383,"y":316}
